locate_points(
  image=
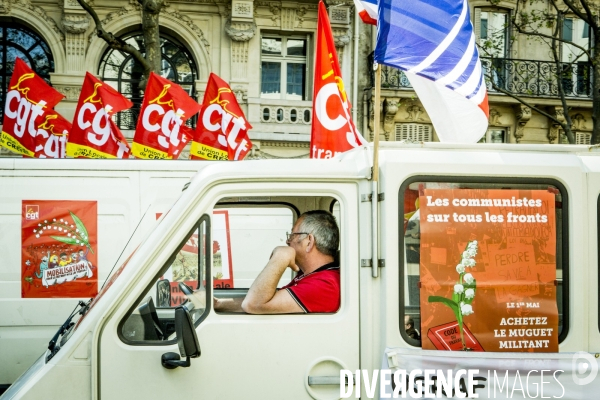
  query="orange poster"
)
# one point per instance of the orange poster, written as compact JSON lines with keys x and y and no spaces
{"x":490,"y":260}
{"x":59,"y":248}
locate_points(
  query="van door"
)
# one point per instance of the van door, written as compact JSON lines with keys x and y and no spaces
{"x":292,"y":356}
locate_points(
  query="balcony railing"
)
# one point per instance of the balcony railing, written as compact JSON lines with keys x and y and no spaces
{"x":520,"y":77}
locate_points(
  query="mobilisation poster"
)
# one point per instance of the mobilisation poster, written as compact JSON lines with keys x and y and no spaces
{"x":59,"y":248}
{"x":488,"y":270}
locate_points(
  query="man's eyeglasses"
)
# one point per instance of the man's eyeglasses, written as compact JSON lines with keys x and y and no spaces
{"x":289,"y":235}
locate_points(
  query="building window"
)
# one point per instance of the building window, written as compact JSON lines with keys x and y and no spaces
{"x":414,"y":132}
{"x":19,"y":41}
{"x":567,"y":29}
{"x":492,"y":30}
{"x":494,"y":135}
{"x":122,"y":72}
{"x":284,"y":68}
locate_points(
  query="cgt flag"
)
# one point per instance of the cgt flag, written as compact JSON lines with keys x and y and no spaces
{"x":52,"y":136}
{"x":94,"y":134}
{"x":332,"y":130}
{"x":222,"y":131}
{"x":434,"y":44}
{"x":160,"y":130}
{"x":28,"y":98}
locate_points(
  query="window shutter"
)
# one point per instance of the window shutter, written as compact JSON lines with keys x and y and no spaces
{"x":583,"y":138}
{"x":477,"y":24}
{"x":414,"y":132}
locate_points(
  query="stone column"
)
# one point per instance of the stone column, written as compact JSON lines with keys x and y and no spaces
{"x":75,"y":22}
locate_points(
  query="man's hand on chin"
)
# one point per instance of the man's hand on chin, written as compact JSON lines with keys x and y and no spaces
{"x":287,"y":255}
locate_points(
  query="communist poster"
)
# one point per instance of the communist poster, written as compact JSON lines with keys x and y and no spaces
{"x":59,"y":249}
{"x":488,"y":270}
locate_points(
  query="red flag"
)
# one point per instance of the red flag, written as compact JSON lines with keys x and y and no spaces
{"x":166,"y":107}
{"x":94,"y":134}
{"x":52,"y":135}
{"x":187,"y":134}
{"x":222,"y":130}
{"x":332,"y":129}
{"x":28,"y":97}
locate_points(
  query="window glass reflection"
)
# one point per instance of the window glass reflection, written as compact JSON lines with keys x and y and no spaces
{"x":19,"y":41}
{"x":122,"y":70}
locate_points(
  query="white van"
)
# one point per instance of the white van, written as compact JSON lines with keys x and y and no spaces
{"x":130,"y":194}
{"x":131,"y":341}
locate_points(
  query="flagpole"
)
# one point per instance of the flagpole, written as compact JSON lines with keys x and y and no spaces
{"x":375,"y":176}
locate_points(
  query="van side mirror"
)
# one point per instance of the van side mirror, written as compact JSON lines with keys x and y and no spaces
{"x":163,"y":293}
{"x":187,"y":340}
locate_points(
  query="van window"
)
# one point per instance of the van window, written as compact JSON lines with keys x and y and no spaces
{"x":487,"y":256}
{"x":246,"y":230}
{"x":243,"y":238}
{"x":182,"y":280}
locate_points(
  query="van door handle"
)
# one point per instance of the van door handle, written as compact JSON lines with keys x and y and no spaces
{"x":325,"y":380}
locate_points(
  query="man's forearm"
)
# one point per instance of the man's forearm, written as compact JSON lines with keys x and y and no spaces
{"x":229,"y":305}
{"x":264,"y":287}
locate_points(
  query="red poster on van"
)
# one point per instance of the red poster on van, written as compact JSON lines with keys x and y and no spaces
{"x":488,"y":270}
{"x":59,"y":249}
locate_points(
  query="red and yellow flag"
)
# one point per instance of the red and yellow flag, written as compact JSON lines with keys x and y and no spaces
{"x":28,"y":98}
{"x":160,"y":131}
{"x":332,"y":128}
{"x":94,"y":133}
{"x":222,"y":130}
{"x":52,"y":136}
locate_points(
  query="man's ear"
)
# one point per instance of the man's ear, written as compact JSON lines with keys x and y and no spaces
{"x":311,"y":243}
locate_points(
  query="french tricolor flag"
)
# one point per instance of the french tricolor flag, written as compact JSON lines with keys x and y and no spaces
{"x":367,"y":11}
{"x":433,"y":42}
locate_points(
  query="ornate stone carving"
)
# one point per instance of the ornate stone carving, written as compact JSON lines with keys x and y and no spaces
{"x":242,"y":9}
{"x":372,"y":119}
{"x":275,"y":10}
{"x":75,"y":23}
{"x":189,"y":22}
{"x":73,"y":5}
{"x":288,"y":18}
{"x":555,"y":128}
{"x":301,"y":12}
{"x":390,"y":108}
{"x":523,"y":115}
{"x":578,"y":121}
{"x":241,"y":94}
{"x":133,"y":6}
{"x":341,"y":37}
{"x":339,"y":15}
{"x":6,"y":6}
{"x":70,"y":92}
{"x":240,"y":31}
{"x":495,"y":117}
{"x":288,"y":114}
{"x":414,"y":113}
{"x":239,"y":60}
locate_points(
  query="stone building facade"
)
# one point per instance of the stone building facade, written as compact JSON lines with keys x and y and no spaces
{"x":516,"y":63}
{"x":265,"y":50}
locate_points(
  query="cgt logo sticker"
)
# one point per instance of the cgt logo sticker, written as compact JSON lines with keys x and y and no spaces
{"x":32,"y":212}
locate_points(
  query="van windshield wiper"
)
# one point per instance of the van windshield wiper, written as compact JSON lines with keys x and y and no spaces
{"x":81,"y":308}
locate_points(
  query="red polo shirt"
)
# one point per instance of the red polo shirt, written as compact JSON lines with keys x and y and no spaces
{"x":319,"y":291}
